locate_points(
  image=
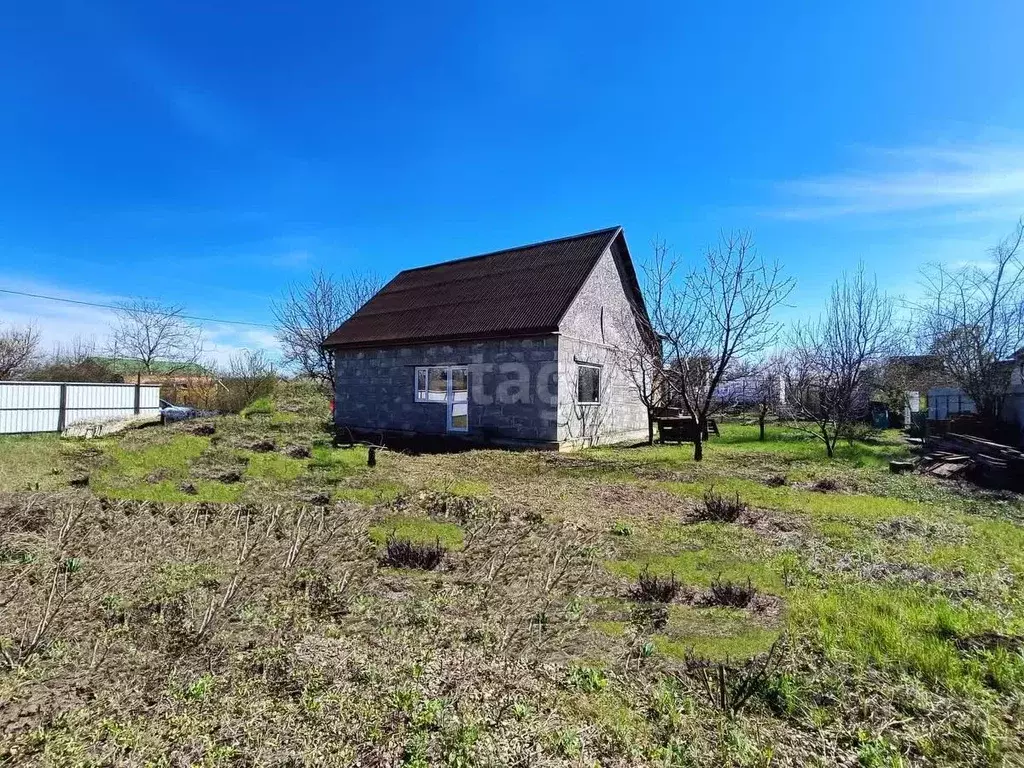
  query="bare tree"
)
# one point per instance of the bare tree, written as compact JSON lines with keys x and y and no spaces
{"x":637,"y":352}
{"x":972,"y":318}
{"x":765,"y":389}
{"x":307,"y":314}
{"x":74,"y":361}
{"x":583,"y":414}
{"x":718,"y":314}
{"x":18,"y":350}
{"x":149,"y":333}
{"x":251,"y":375}
{"x":830,"y":376}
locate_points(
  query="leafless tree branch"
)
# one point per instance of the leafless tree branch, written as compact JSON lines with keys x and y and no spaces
{"x":719,"y":313}
{"x":972,"y":319}
{"x":18,"y":350}
{"x":834,"y":359}
{"x":307,"y":314}
{"x":148,"y":332}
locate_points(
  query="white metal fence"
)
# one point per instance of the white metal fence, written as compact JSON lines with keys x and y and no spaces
{"x":30,"y":406}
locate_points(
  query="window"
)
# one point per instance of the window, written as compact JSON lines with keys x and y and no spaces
{"x":588,"y":384}
{"x":431,"y":384}
{"x":447,"y":384}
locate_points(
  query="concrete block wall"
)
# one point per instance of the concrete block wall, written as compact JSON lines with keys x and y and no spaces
{"x":512,"y":389}
{"x":592,"y":332}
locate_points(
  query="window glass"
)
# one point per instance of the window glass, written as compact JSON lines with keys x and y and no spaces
{"x":588,"y":384}
{"x":437,"y":384}
{"x":460,"y":417}
{"x":460,"y":380}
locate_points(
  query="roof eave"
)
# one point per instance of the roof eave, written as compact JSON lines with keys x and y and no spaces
{"x":415,"y":341}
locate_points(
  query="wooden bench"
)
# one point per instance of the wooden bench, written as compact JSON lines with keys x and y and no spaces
{"x":683,"y":429}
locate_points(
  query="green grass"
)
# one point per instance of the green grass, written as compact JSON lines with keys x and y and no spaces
{"x":338,"y":462}
{"x":263,"y":406}
{"x":905,"y":629}
{"x":174,"y":579}
{"x":832,"y":505}
{"x":782,"y":443}
{"x":125,"y":473}
{"x":420,"y":529}
{"x":698,"y":554}
{"x":284,"y":418}
{"x":870,"y":626}
{"x":471,"y":488}
{"x":274,"y":468}
{"x":170,"y":491}
{"x":716,"y":633}
{"x":35,"y":459}
{"x":378,"y":493}
{"x":794,"y":445}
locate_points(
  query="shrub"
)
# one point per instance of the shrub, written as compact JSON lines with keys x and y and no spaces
{"x":262,"y":406}
{"x":89,"y":369}
{"x":586,"y":679}
{"x":729,"y":687}
{"x":731,"y":594}
{"x":621,"y":529}
{"x":651,"y":588}
{"x":402,"y":553}
{"x":649,"y":616}
{"x":720,"y":509}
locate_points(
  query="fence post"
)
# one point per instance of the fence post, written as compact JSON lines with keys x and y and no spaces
{"x":137,"y":397}
{"x":62,"y":408}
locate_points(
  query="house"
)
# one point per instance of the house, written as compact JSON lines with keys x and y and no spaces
{"x":183,"y":383}
{"x":949,"y":402}
{"x":517,"y":348}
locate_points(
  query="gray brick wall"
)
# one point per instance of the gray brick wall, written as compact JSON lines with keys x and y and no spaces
{"x":590,"y":333}
{"x":512,"y":389}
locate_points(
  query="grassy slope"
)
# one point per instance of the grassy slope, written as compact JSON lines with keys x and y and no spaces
{"x":882,"y":587}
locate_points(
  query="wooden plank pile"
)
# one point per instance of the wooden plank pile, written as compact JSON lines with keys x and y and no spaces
{"x":955,"y":455}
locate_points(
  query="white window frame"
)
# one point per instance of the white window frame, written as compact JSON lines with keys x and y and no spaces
{"x":599,"y":374}
{"x":448,"y":397}
{"x":426,"y":396}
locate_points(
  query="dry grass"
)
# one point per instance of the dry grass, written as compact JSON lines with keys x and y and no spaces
{"x":138,"y":626}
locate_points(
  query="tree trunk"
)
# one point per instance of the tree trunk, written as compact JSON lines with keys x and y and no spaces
{"x":698,"y":447}
{"x":760,"y":425}
{"x":650,"y":430}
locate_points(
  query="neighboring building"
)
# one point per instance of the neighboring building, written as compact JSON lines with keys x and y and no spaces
{"x":180,"y":383}
{"x":514,"y":348}
{"x":944,"y":403}
{"x":751,"y":390}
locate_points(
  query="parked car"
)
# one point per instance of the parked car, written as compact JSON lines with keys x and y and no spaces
{"x":171,"y":412}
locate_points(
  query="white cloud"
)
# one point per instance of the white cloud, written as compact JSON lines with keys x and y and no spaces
{"x":292,"y":259}
{"x":960,"y":183}
{"x":60,"y":322}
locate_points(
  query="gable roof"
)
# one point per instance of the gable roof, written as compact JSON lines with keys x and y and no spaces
{"x":515,"y":292}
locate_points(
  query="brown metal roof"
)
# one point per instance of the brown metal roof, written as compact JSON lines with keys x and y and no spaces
{"x":516,"y":292}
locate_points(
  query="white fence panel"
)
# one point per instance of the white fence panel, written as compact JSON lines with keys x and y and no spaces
{"x":45,"y":407}
{"x":29,"y":407}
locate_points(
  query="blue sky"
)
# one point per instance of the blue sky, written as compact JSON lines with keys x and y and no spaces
{"x":211,"y":153}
